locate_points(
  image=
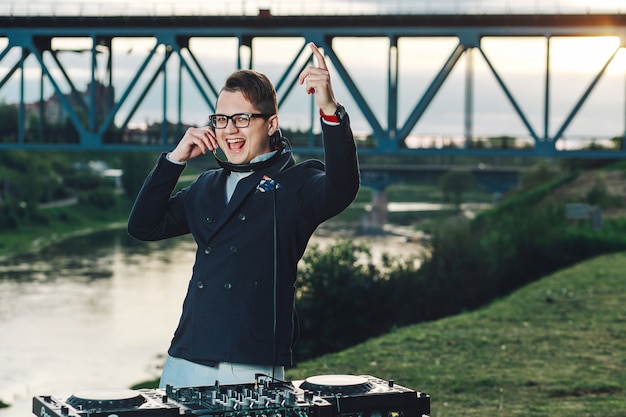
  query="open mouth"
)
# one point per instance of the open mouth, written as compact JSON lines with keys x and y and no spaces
{"x":235,"y":145}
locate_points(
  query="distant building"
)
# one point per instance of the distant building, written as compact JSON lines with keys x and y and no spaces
{"x":103,"y":170}
{"x":55,"y":113}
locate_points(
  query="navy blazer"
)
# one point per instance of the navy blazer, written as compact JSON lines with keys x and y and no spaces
{"x":240,"y":299}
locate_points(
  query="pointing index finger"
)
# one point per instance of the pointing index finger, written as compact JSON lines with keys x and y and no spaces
{"x":321,"y":62}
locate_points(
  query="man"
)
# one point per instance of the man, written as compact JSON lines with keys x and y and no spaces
{"x":252,"y":219}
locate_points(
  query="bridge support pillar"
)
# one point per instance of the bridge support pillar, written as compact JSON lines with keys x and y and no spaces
{"x":377,"y":217}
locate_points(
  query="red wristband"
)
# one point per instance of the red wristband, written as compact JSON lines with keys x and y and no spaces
{"x":332,"y":118}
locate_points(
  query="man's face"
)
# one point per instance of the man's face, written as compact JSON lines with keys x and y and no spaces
{"x":240,"y":145}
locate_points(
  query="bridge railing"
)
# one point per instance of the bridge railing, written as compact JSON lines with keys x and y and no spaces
{"x":300,"y":7}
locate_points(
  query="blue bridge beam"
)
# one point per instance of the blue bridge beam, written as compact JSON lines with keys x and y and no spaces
{"x":93,"y":116}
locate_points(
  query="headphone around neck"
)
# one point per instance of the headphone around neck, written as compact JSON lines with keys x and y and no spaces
{"x":278,"y":143}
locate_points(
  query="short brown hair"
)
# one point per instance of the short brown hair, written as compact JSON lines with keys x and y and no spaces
{"x":255,"y":87}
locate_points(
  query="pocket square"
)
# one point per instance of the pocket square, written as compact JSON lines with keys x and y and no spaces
{"x":267,"y":184}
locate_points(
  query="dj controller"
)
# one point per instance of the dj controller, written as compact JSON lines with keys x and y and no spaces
{"x":317,"y":396}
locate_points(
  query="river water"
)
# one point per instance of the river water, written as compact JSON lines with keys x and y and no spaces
{"x":98,"y":312}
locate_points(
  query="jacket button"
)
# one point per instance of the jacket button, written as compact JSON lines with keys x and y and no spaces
{"x":242,"y":216}
{"x":200,"y":284}
{"x":209,"y":219}
{"x":207,"y":250}
{"x":233,"y":249}
{"x":228,"y":286}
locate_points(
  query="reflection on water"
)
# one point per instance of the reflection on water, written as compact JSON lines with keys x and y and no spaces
{"x":92,"y":312}
{"x":96,"y":312}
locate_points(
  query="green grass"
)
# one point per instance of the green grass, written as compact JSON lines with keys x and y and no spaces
{"x":64,"y":222}
{"x":423,"y":192}
{"x":553,"y":348}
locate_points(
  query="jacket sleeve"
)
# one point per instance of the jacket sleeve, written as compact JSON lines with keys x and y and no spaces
{"x":336,"y":187}
{"x":157,"y":214}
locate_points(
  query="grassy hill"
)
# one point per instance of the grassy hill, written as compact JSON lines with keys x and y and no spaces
{"x":553,"y":348}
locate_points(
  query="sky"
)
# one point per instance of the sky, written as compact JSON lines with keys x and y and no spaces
{"x":192,"y":7}
{"x":521,"y":63}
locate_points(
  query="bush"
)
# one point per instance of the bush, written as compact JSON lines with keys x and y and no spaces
{"x":521,"y":240}
{"x":454,"y":183}
{"x":136,"y":166}
{"x":102,"y":198}
{"x":344,"y":298}
{"x":15,"y":213}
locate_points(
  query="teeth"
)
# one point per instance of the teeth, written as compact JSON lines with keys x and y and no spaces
{"x":234,"y":140}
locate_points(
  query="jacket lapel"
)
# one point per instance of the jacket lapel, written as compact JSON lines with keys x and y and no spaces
{"x":246,"y":187}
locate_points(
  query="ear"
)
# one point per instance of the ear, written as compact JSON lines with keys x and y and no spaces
{"x":273,"y":124}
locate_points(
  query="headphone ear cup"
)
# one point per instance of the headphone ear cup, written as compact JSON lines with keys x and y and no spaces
{"x":276,"y":139}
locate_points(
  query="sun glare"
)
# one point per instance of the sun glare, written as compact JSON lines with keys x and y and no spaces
{"x":567,"y":54}
{"x":609,"y":5}
{"x":585,"y":54}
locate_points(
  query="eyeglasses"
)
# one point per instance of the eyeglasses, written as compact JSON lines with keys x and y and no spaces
{"x":240,"y":120}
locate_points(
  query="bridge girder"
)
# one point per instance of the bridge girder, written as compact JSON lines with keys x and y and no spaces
{"x":93,"y":116}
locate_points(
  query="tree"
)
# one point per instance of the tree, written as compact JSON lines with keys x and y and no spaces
{"x":8,"y":122}
{"x":136,"y":166}
{"x":454,"y":183}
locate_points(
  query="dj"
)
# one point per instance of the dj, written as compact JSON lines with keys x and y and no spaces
{"x":251,"y":219}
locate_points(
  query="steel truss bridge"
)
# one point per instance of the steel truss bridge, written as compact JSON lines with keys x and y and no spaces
{"x":98,"y":122}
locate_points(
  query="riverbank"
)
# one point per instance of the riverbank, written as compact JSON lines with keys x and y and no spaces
{"x":63,"y":223}
{"x":410,"y":204}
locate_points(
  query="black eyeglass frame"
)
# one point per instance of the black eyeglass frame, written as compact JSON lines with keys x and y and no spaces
{"x":233,"y":118}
